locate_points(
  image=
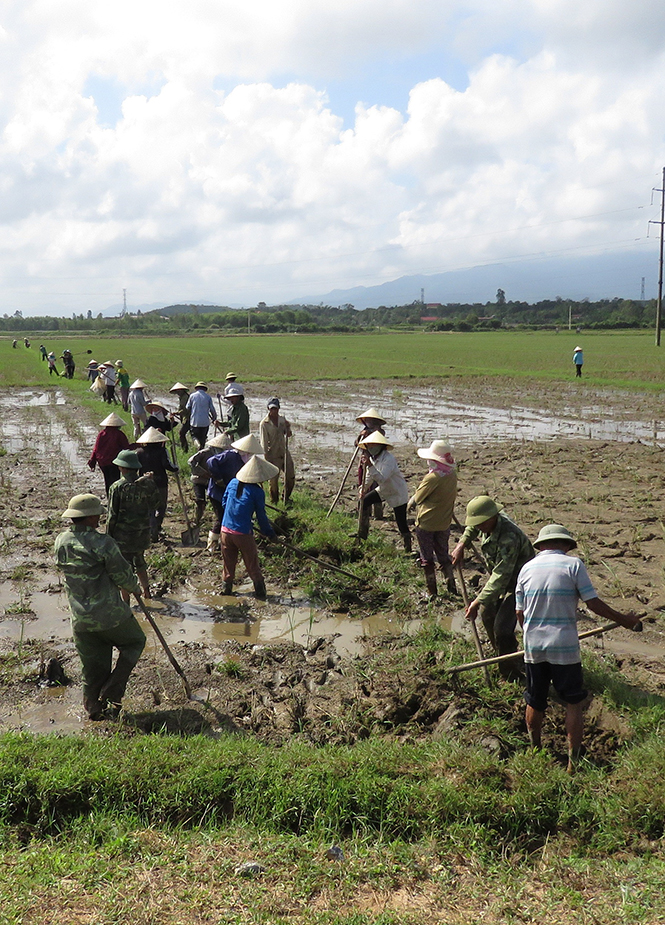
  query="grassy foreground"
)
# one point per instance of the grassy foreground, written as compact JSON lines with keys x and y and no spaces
{"x":616,"y":359}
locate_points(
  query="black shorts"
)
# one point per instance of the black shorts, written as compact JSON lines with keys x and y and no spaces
{"x":567,"y":681}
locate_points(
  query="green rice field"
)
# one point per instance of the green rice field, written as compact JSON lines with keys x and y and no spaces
{"x":616,"y":359}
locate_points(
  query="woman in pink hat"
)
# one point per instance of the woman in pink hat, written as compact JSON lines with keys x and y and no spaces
{"x":434,"y":501}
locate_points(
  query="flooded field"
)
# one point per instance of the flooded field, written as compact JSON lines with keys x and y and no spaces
{"x":593,"y":461}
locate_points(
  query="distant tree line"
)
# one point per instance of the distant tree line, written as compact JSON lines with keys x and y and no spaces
{"x":269,"y":319}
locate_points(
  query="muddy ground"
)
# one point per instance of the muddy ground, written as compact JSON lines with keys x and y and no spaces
{"x":288,"y":667}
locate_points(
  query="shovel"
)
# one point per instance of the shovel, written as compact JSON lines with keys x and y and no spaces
{"x":190,"y":536}
{"x":341,"y":487}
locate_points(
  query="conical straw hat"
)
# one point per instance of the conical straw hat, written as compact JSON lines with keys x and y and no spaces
{"x":219,"y":442}
{"x":152,"y":435}
{"x":376,"y":439}
{"x":113,"y":420}
{"x":178,"y":387}
{"x":371,"y":413}
{"x":248,"y":444}
{"x":138,"y":384}
{"x":257,"y":470}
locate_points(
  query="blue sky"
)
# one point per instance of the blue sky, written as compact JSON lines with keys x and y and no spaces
{"x":234,"y":154}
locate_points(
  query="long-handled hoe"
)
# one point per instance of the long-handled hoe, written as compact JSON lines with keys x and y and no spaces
{"x":190,"y":536}
{"x":165,"y":646}
{"x":476,"y":637}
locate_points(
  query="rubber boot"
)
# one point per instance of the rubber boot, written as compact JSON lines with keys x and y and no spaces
{"x":200,"y":510}
{"x":228,"y":586}
{"x":378,"y":510}
{"x":430,"y":579}
{"x":213,"y":542}
{"x":260,"y":590}
{"x":449,"y":572}
{"x":406,"y":539}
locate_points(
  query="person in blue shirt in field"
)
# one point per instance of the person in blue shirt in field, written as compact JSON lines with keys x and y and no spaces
{"x":244,"y":497}
{"x":578,"y":360}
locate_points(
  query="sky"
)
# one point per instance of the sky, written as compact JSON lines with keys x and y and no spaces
{"x":213,"y":151}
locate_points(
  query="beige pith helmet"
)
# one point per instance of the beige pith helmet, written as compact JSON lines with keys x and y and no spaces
{"x":219,"y":442}
{"x":371,"y":413}
{"x":480,"y":509}
{"x":85,"y":505}
{"x":152,"y":435}
{"x":437,"y":451}
{"x":113,"y":420}
{"x":201,"y":385}
{"x":178,"y":387}
{"x":233,"y":390}
{"x":248,"y":444}
{"x":376,"y":439}
{"x":138,"y":384}
{"x":257,"y":470}
{"x":555,"y":532}
{"x":119,"y":364}
{"x":232,"y":375}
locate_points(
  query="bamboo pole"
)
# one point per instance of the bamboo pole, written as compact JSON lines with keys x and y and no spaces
{"x":476,"y":637}
{"x":504,"y":658}
{"x":322,"y":562}
{"x":341,"y":487}
{"x":473,"y":549}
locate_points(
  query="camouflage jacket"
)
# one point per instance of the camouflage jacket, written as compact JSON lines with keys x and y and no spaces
{"x":506,"y":550}
{"x":238,"y":421}
{"x":94,"y":571}
{"x":130,"y":502}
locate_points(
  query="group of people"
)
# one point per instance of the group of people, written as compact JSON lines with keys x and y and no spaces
{"x":534,"y":584}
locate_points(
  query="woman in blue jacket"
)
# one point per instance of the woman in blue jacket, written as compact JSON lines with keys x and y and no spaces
{"x":244,"y":497}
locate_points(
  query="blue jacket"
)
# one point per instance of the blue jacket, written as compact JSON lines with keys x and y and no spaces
{"x":238,"y":511}
{"x":222,"y":468}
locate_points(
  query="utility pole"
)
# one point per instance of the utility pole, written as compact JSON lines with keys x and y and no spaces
{"x":124,"y":302}
{"x":659,"y":302}
{"x":422,"y":296}
{"x":248,"y":321}
{"x":642,"y":289}
{"x":570,"y":316}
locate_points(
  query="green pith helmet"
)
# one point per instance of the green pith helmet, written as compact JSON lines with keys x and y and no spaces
{"x":127,"y":459}
{"x":480,"y":509}
{"x":84,"y":506}
{"x":555,"y":532}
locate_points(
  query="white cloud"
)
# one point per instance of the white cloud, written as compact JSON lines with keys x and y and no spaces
{"x":260,"y":191}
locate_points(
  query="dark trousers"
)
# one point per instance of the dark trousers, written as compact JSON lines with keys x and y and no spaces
{"x":578,"y":370}
{"x":373,"y":497}
{"x":101,"y":684}
{"x":111,"y":474}
{"x":499,"y":619}
{"x":200,"y":434}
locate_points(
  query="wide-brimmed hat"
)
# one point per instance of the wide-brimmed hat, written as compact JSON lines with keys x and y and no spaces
{"x":480,"y":509}
{"x":113,"y":420}
{"x":256,"y":470}
{"x":219,"y":442}
{"x":437,"y":451}
{"x":85,"y":505}
{"x":233,"y":390}
{"x":371,"y":413}
{"x":51,"y":354}
{"x":152,"y":435}
{"x":178,"y":387}
{"x":232,"y":375}
{"x":273,"y":403}
{"x":138,"y":384}
{"x":248,"y":444}
{"x":108,"y":363}
{"x":127,"y":459}
{"x":555,"y":532}
{"x":201,"y":385}
{"x":119,"y":363}
{"x":91,"y":363}
{"x":376,"y":439}
{"x":154,"y":405}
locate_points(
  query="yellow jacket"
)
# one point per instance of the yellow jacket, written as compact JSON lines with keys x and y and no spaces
{"x":435,"y":499}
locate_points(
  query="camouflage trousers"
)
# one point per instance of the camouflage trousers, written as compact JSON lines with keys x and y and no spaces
{"x":103,"y":684}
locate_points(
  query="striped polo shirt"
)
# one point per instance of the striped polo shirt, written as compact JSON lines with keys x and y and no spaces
{"x":548,"y":588}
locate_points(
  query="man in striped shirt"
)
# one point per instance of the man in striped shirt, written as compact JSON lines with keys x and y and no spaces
{"x":548,"y":588}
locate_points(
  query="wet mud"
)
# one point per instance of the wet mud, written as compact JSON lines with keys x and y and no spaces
{"x":288,"y":666}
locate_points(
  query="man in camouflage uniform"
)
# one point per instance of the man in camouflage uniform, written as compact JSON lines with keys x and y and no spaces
{"x":94,"y":572}
{"x":506,"y":549}
{"x":131,"y":499}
